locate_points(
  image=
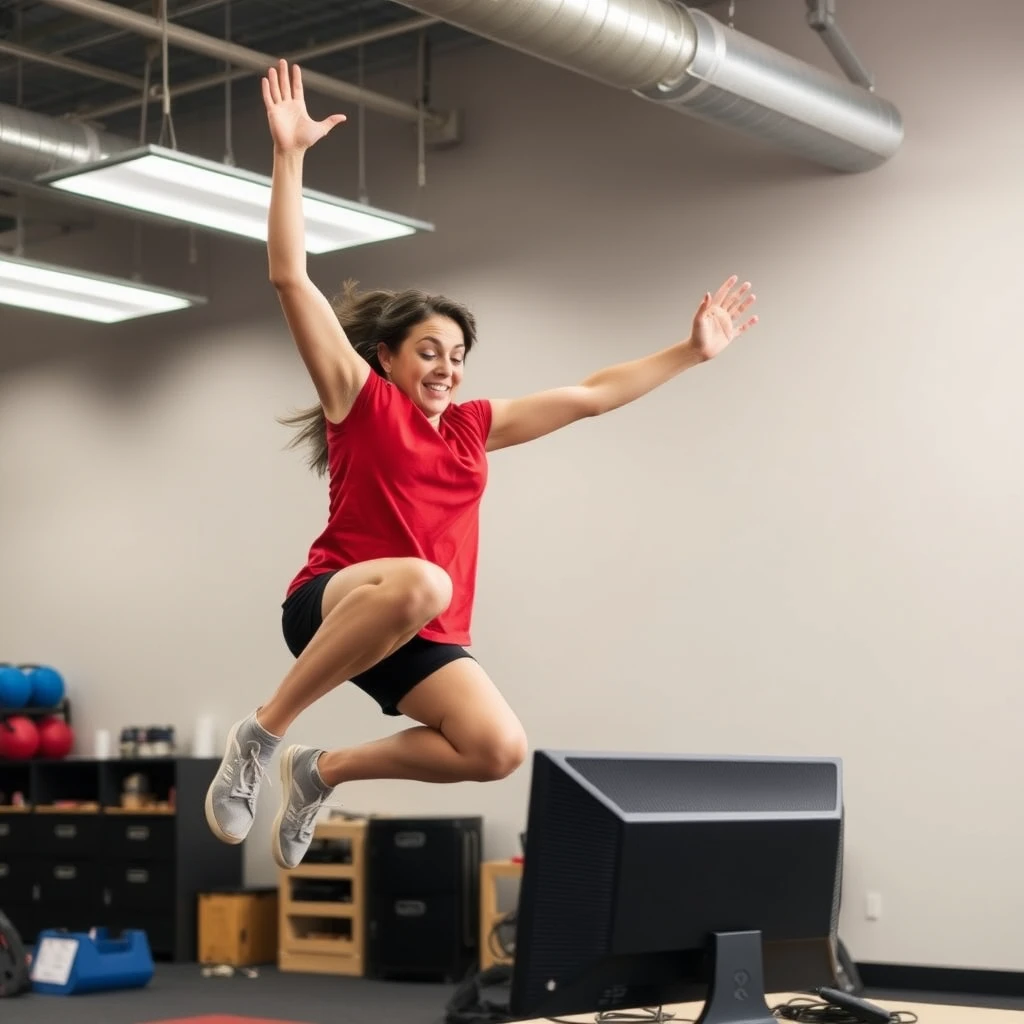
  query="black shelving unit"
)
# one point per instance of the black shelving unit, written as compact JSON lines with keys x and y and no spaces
{"x":60,"y":710}
{"x":99,"y":864}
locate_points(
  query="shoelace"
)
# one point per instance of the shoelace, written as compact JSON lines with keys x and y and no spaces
{"x":303,"y":818}
{"x":246,"y":783}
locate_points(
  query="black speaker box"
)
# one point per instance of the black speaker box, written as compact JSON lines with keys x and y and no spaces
{"x":423,"y":897}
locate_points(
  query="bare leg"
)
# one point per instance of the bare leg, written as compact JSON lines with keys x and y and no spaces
{"x":468,"y":733}
{"x":368,"y":611}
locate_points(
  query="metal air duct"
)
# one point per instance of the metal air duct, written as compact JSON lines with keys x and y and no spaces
{"x":687,"y":60}
{"x":34,"y":144}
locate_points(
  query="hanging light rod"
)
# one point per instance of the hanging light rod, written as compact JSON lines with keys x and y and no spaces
{"x":242,"y":56}
{"x":195,"y":85}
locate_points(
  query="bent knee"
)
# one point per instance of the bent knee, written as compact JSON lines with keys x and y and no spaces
{"x":499,"y":756}
{"x":422,"y":591}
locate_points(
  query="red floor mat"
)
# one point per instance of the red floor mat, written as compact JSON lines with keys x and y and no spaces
{"x":220,"y":1018}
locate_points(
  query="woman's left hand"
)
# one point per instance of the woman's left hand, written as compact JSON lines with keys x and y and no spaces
{"x":718,"y":318}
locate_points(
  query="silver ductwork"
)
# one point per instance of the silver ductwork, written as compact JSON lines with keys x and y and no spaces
{"x":687,"y":60}
{"x":34,"y":144}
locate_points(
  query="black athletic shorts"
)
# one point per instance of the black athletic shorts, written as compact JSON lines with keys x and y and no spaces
{"x":389,"y":680}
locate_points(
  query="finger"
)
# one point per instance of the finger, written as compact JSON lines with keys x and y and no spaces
{"x":297,"y":82}
{"x":743,"y":327}
{"x":268,"y":100}
{"x":743,"y":307}
{"x":275,"y":86}
{"x":733,"y":300}
{"x":331,"y":122}
{"x":282,"y":74}
{"x":724,"y":289}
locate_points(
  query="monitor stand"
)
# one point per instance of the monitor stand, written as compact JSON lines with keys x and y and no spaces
{"x":736,"y":992}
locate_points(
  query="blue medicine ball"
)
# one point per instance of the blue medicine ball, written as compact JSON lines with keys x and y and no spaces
{"x":47,"y":686}
{"x":15,"y":687}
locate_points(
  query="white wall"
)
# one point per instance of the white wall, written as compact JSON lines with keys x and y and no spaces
{"x":811,"y":545}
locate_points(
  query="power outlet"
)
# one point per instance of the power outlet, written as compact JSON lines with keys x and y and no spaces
{"x":873,"y":906}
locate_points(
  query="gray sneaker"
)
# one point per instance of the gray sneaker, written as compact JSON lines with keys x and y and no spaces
{"x":303,"y":794}
{"x":231,"y":797}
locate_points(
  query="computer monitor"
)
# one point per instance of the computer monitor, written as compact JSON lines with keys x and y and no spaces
{"x":657,"y":879}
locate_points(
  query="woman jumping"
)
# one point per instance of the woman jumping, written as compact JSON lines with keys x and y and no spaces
{"x":385,"y":598}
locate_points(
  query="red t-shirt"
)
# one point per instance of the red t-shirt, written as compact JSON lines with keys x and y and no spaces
{"x":400,"y":487}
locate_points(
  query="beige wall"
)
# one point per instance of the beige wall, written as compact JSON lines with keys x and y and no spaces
{"x":812,"y":545}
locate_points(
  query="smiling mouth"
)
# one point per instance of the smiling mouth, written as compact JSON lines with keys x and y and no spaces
{"x":438,"y":389}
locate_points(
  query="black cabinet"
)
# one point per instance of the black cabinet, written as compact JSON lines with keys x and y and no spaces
{"x":423,"y":903}
{"x":73,"y":857}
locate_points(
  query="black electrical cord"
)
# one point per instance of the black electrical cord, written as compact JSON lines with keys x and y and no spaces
{"x":500,"y":947}
{"x":652,"y":1015}
{"x":807,"y":1010}
{"x":800,"y":1009}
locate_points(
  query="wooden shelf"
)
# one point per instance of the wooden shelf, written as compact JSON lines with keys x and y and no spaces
{"x":78,"y":809}
{"x":324,"y":871}
{"x":490,"y":914}
{"x":140,"y":810}
{"x":314,"y":908}
{"x":312,"y":937}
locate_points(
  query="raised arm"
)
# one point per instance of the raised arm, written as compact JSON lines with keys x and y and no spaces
{"x":337,"y":370}
{"x":715,"y":324}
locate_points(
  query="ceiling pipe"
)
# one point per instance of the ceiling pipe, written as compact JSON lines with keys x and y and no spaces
{"x":89,"y":42}
{"x":686,"y":60}
{"x":34,"y":144}
{"x":215,"y":81}
{"x":241,"y":56}
{"x":70,"y":64}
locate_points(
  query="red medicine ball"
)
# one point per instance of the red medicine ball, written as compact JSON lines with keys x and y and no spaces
{"x":19,"y":738}
{"x":56,"y":737}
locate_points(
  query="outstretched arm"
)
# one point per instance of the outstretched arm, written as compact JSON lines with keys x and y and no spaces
{"x":715,"y":324}
{"x":337,"y":370}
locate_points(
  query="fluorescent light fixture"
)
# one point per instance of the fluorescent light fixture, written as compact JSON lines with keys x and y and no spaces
{"x":217,"y":197}
{"x":107,"y":300}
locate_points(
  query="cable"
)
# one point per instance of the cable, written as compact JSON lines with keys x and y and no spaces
{"x":815,"y":1011}
{"x":500,"y":948}
{"x":657,"y":1015}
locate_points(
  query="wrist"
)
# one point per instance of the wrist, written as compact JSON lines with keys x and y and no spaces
{"x":292,"y":155}
{"x":691,"y":352}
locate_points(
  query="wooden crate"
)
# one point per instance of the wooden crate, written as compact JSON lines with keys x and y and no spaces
{"x":238,"y":928}
{"x":490,"y":913}
{"x":326,"y":936}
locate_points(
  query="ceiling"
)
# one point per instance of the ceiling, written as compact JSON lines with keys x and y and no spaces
{"x":276,"y":27}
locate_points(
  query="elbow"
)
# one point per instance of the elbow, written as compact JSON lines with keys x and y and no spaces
{"x":596,"y":402}
{"x":285,"y":281}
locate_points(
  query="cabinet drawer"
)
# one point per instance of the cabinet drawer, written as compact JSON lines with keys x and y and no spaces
{"x":415,"y":933}
{"x":144,"y":885}
{"x":15,"y":834}
{"x":138,"y":836}
{"x":17,"y":877}
{"x":56,"y":836}
{"x":71,"y":883}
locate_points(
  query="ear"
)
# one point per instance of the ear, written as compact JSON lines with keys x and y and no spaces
{"x":384,"y":357}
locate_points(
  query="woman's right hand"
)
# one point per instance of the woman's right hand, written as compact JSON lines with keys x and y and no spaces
{"x":291,"y":127}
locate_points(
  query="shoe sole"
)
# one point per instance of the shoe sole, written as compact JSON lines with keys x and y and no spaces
{"x":286,"y":789}
{"x":211,"y":820}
